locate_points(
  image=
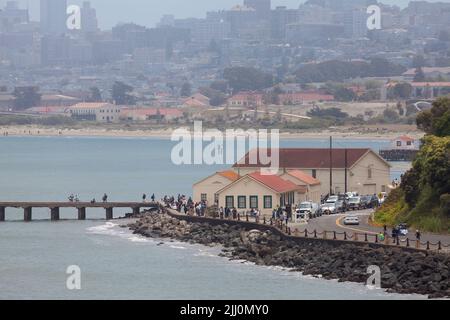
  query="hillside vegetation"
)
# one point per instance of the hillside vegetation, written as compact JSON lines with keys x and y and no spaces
{"x":423,"y":199}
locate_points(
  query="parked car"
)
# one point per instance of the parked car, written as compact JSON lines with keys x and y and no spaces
{"x":351,"y":220}
{"x":372,"y":202}
{"x":349,"y":195}
{"x":402,"y":229}
{"x":341,"y":206}
{"x":332,"y":199}
{"x":309,"y":208}
{"x":328,"y":207}
{"x":365,"y":202}
{"x":355,"y":203}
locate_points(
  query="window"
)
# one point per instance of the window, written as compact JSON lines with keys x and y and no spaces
{"x":216,"y":198}
{"x":369,"y":172}
{"x":242,"y":202}
{"x":383,"y":188}
{"x":399,"y":143}
{"x":268,"y":202}
{"x":229,"y":202}
{"x":204,"y":197}
{"x":314,"y":173}
{"x":409,"y":143}
{"x":253,"y":202}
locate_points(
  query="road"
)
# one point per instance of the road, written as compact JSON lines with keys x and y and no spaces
{"x":335,"y":223}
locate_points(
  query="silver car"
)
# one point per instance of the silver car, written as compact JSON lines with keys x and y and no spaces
{"x":308,"y":208}
{"x":351,"y":220}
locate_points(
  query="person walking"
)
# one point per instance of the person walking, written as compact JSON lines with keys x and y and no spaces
{"x":105,"y":198}
{"x":418,"y":235}
{"x":153,"y":197}
{"x":144,"y":197}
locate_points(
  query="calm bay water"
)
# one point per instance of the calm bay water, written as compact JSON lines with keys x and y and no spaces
{"x":113,"y":262}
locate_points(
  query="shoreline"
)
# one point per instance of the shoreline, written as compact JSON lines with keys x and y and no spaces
{"x":40,"y":131}
{"x":402,"y":272}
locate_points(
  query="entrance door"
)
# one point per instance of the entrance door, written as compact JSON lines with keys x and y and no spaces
{"x":370,"y":189}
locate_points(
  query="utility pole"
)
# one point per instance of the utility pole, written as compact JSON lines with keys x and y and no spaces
{"x":346,"y":169}
{"x":331,"y":165}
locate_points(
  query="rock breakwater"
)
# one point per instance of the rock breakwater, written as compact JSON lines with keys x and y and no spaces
{"x":402,"y":271}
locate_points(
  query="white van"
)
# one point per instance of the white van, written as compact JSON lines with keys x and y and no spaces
{"x":307,"y":210}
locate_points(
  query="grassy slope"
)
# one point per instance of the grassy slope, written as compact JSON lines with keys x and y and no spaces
{"x":426,"y":216}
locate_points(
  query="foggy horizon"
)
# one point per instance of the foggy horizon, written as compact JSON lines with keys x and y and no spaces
{"x":112,"y":12}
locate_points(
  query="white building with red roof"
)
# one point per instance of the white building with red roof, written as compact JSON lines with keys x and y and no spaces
{"x":355,"y":169}
{"x":257,"y":191}
{"x":206,"y":189}
{"x":95,"y":111}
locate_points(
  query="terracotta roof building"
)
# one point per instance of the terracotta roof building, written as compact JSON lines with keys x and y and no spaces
{"x":257,"y":191}
{"x":367,"y":172}
{"x":206,"y":189}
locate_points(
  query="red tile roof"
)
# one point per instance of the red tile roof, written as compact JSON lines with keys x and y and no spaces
{"x":430,"y":84}
{"x":230,"y":175}
{"x":404,"y":138}
{"x":152,"y":112}
{"x":304,"y":158}
{"x":275,"y":183}
{"x":307,"y":96}
{"x":304,"y":177}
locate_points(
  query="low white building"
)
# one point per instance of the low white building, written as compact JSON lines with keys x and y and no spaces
{"x":98,"y":111}
{"x":206,"y":189}
{"x":359,"y":170}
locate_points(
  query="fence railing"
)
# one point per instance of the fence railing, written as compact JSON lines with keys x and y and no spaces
{"x":359,"y":237}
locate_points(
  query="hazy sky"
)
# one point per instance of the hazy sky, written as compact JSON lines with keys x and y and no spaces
{"x":148,"y":12}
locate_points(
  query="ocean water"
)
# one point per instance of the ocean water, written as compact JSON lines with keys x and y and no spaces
{"x":114,"y":263}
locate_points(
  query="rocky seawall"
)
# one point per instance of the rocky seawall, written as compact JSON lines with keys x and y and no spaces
{"x":402,"y":271}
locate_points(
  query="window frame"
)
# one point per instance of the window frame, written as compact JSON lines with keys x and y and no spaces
{"x":239,"y":198}
{"x":271,"y":202}
{"x":257,"y":202}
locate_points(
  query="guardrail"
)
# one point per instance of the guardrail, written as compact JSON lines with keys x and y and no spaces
{"x":304,"y":234}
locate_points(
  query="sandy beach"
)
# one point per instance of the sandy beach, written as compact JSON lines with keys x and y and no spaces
{"x":376,"y":132}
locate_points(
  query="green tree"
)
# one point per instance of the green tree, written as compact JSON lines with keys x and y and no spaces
{"x":26,"y":97}
{"x":247,"y":78}
{"x":330,"y":112}
{"x":418,"y":61}
{"x":419,"y":75}
{"x":216,"y":97}
{"x":391,"y":115}
{"x":436,"y":121}
{"x":121,"y":94}
{"x":423,"y":199}
{"x":402,"y":90}
{"x":344,"y":94}
{"x":186,"y":89}
{"x":95,"y":95}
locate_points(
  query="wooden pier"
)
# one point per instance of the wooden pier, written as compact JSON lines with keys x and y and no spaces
{"x":55,"y":207}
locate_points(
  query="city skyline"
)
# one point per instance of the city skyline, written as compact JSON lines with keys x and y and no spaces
{"x":149,"y":12}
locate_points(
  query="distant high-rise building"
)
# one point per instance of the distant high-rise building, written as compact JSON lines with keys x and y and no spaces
{"x":280,"y":18}
{"x":262,"y":7}
{"x":12,"y":15}
{"x":53,"y":16}
{"x":355,"y":22}
{"x":89,"y":22}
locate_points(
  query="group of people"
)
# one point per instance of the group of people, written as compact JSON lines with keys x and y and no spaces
{"x":144,"y":198}
{"x":282,"y":215}
{"x":396,"y":233}
{"x":186,"y":205}
{"x":75,"y":198}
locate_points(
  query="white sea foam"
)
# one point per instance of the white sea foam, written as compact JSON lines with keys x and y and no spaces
{"x":112,"y":229}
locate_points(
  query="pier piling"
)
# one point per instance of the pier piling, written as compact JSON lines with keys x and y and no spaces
{"x":109,"y":213}
{"x":27,"y":214}
{"x":82,"y":213}
{"x":2,"y":214}
{"x":136,"y":210}
{"x":54,"y":214}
